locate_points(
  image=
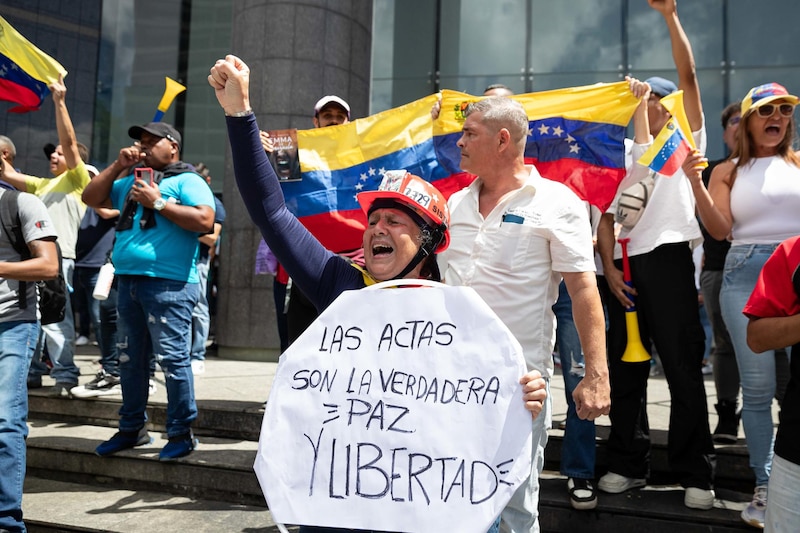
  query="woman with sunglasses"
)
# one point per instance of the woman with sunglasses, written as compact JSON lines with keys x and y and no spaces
{"x":754,"y":200}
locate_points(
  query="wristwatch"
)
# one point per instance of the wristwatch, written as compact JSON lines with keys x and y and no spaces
{"x":159,"y":204}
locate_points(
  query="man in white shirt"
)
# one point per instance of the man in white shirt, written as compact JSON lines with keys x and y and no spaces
{"x":662,"y":271}
{"x":514,"y":235}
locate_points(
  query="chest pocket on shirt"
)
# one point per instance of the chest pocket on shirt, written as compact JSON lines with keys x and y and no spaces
{"x":512,"y":244}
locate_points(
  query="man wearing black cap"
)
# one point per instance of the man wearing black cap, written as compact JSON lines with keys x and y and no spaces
{"x":62,"y":196}
{"x":154,"y":256}
{"x":662,"y":270}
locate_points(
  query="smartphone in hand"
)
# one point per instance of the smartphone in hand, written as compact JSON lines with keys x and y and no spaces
{"x":144,"y":174}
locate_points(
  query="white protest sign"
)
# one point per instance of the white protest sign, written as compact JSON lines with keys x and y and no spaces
{"x":397,"y":410}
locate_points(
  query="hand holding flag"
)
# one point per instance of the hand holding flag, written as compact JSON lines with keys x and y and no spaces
{"x":674,"y":142}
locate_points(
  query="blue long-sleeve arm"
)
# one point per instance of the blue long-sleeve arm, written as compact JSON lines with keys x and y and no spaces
{"x":320,"y":274}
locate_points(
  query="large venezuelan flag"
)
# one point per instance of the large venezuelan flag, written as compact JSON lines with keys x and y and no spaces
{"x":25,"y":71}
{"x":576,"y":136}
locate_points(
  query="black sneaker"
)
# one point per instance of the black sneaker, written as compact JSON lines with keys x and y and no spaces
{"x":103,"y":384}
{"x":123,"y":440}
{"x":727,"y":430}
{"x":581,"y":494}
{"x":178,"y":446}
{"x":34,"y":382}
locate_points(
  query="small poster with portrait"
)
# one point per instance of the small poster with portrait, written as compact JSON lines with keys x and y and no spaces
{"x":284,"y":156}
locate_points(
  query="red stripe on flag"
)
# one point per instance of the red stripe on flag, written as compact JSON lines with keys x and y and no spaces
{"x":676,"y":159}
{"x":454,"y":183}
{"x":596,"y":185}
{"x":13,"y":92}
{"x":338,"y":231}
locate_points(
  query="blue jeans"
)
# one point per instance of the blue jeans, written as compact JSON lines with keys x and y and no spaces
{"x":103,"y":316}
{"x":59,"y":338}
{"x":578,"y":449}
{"x":521,"y":514}
{"x":756,"y":371}
{"x":783,"y":497}
{"x":201,"y":319}
{"x":17,"y":344}
{"x":155,"y":317}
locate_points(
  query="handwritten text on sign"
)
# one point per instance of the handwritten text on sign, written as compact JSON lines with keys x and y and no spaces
{"x":397,"y":410}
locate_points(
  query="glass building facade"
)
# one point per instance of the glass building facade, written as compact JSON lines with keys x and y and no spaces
{"x":421,"y":46}
{"x":119,"y":51}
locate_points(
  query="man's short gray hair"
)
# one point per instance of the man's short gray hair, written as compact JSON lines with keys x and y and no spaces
{"x":502,"y":112}
{"x":8,"y":144}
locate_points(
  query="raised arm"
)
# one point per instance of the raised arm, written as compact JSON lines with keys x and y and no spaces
{"x":98,"y":192}
{"x":300,"y":253}
{"x":66,"y":132}
{"x":684,"y":61}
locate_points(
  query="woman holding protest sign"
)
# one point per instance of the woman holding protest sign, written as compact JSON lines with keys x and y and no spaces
{"x":407,"y":221}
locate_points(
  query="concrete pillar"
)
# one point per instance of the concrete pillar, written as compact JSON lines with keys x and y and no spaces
{"x":297,"y":53}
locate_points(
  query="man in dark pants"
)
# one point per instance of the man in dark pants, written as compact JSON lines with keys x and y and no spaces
{"x":662,"y":273}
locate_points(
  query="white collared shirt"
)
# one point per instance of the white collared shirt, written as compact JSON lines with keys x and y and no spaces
{"x":514,"y":258}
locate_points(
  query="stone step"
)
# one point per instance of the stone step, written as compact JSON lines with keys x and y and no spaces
{"x":58,"y":506}
{"x":654,"y":509}
{"x":732,"y":469}
{"x":219,"y":469}
{"x":235,"y":419}
{"x":93,"y":508}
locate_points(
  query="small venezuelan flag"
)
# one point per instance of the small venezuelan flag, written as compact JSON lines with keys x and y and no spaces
{"x":25,"y":71}
{"x":669,"y":150}
{"x":674,"y":142}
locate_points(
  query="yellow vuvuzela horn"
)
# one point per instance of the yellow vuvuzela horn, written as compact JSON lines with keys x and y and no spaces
{"x":172,"y":90}
{"x":635,"y":351}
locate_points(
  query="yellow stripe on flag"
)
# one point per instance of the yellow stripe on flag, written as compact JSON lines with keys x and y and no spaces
{"x":610,"y":103}
{"x":346,"y":145}
{"x":27,"y":56}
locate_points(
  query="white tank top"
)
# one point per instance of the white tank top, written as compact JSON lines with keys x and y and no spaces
{"x":765,"y":202}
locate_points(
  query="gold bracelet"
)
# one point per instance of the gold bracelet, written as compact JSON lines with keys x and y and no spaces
{"x":244,"y":113}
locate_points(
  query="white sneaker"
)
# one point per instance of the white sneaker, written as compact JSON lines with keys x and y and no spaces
{"x":83,"y":340}
{"x":615,"y":483}
{"x":198,"y":367}
{"x":696,"y":498}
{"x":152,"y":388}
{"x":102,"y":385}
{"x":755,"y":511}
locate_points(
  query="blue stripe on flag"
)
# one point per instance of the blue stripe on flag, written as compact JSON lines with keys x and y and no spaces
{"x":594,"y":143}
{"x":670,"y":147}
{"x":323,"y":191}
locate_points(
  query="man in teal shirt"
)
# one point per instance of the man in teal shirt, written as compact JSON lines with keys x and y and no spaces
{"x":154,"y":256}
